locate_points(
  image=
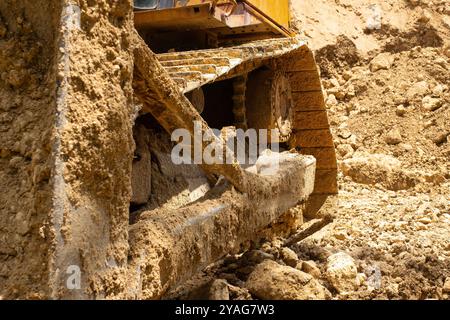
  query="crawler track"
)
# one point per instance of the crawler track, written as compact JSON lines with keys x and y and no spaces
{"x":311,"y":135}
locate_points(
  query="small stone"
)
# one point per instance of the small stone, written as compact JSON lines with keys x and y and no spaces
{"x":425,"y":220}
{"x":272,"y":281}
{"x":406,"y":146}
{"x":347,"y":75}
{"x":446,"y":50}
{"x":345,"y":149}
{"x":438,"y":90}
{"x":22,"y":223}
{"x":331,"y":100}
{"x":400,"y":110}
{"x":219,"y":290}
{"x":440,"y":138}
{"x":383,"y":61}
{"x":340,"y":94}
{"x":399,"y":99}
{"x":446,"y":287}
{"x":311,"y":268}
{"x":393,"y":137}
{"x":289,"y":257}
{"x":334,"y":83}
{"x":352,"y":106}
{"x":340,"y":235}
{"x":361,"y":279}
{"x":257,"y":256}
{"x":417,"y":90}
{"x":344,"y":133}
{"x":354,"y":141}
{"x":431,"y":104}
{"x":342,"y":272}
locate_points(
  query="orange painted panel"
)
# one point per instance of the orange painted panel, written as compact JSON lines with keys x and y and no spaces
{"x":277,"y":10}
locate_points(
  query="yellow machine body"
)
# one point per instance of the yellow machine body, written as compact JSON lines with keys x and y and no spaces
{"x":221,"y":17}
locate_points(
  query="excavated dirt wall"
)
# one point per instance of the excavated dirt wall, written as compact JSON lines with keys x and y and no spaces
{"x":66,"y":147}
{"x":96,"y":148}
{"x":28,"y":32}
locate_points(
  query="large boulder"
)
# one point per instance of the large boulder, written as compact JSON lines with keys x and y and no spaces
{"x":272,"y":281}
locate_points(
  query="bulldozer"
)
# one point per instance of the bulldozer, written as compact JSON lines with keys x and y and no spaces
{"x":221,"y":64}
{"x":88,"y":212}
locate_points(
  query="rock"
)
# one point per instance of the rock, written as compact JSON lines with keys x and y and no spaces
{"x":434,"y":177}
{"x":272,"y":281}
{"x":417,"y":90}
{"x":344,"y":133}
{"x":340,"y":234}
{"x":311,"y":268}
{"x":257,"y":256}
{"x":378,"y":168}
{"x":383,"y":61}
{"x":334,"y":83}
{"x":400,"y":99}
{"x":406,"y":146}
{"x":440,"y":137}
{"x":446,"y":50}
{"x":446,"y":287}
{"x":289,"y":257}
{"x":331,"y":100}
{"x":347,"y":75}
{"x":238,"y":293}
{"x":431,"y":104}
{"x":219,"y":290}
{"x":342,"y":272}
{"x":361,"y":279}
{"x":438,"y":90}
{"x":352,"y":106}
{"x":400,"y":110}
{"x":345,"y":149}
{"x":393,"y":137}
{"x":22,"y":223}
{"x":354,"y":141}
